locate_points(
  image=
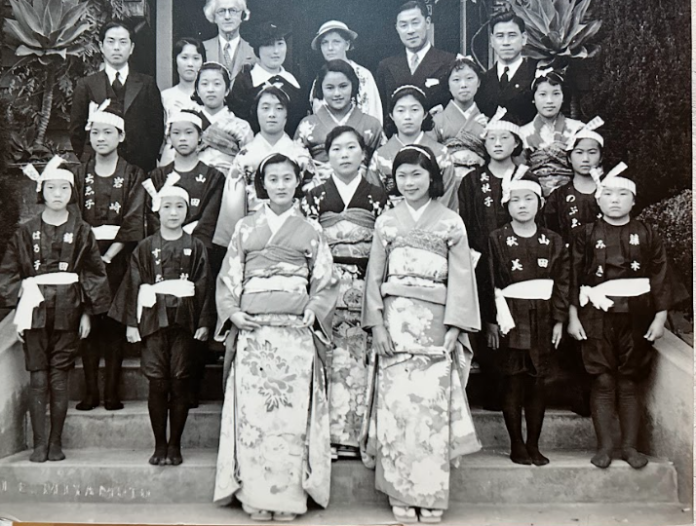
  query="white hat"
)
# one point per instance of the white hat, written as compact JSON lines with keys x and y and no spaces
{"x":98,"y":113}
{"x":184,"y":115}
{"x":514,"y":181}
{"x":52,"y":172}
{"x":332,"y":25}
{"x":612,"y":180}
{"x":168,"y":190}
{"x":586,"y":131}
{"x":497,"y":123}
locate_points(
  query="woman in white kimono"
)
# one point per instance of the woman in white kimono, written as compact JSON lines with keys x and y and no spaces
{"x":270,"y":108}
{"x":275,"y":298}
{"x":420,"y":301}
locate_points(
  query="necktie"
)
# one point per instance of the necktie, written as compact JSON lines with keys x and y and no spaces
{"x":504,"y":78}
{"x":414,"y":63}
{"x":117,"y":85}
{"x":228,"y":56}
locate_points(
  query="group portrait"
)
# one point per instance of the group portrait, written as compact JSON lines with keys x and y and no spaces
{"x":352,"y":262}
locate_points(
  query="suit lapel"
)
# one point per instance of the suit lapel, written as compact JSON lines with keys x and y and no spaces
{"x":99,"y":87}
{"x":133,"y":86}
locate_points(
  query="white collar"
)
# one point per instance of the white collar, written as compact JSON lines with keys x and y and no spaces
{"x":261,"y":76}
{"x":276,"y":221}
{"x":345,"y":118}
{"x":512,"y":68}
{"x":233,"y":41}
{"x":467,"y":114}
{"x":282,"y":143}
{"x":421,"y":54}
{"x":416,"y":214}
{"x":111,"y":73}
{"x":417,"y":141}
{"x":346,"y":191}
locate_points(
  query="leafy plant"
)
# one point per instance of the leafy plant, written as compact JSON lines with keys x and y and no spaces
{"x":557,"y":30}
{"x":48,"y":32}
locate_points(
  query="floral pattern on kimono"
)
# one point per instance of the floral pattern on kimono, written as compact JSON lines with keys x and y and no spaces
{"x":222,"y":140}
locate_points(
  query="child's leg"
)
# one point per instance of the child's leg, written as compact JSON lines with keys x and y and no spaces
{"x":512,"y":413}
{"x":90,"y":367}
{"x":38,"y":399}
{"x":113,"y":358}
{"x":629,"y":417}
{"x":157,"y":402}
{"x":534,"y":409}
{"x":603,"y":401}
{"x":183,"y":349}
{"x":58,"y":380}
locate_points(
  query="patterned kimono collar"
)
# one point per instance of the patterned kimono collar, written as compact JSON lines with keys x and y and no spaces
{"x":116,"y":194}
{"x":536,"y":141}
{"x":66,"y":249}
{"x":224,"y":113}
{"x":276,"y":221}
{"x":636,"y":239}
{"x":346,"y":117}
{"x":283,"y":143}
{"x":185,"y":265}
{"x":261,"y":76}
{"x":472,"y":111}
{"x":418,"y":140}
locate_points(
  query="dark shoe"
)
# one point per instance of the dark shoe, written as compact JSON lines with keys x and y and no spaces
{"x":174,"y":457}
{"x":602,"y":459}
{"x":113,"y":406}
{"x":519,"y":455}
{"x":159,"y":457}
{"x":87,"y":405}
{"x":635,"y":459}
{"x":537,"y":458}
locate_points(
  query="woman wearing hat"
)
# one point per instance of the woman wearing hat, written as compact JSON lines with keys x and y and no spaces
{"x":270,"y":45}
{"x":334,"y":39}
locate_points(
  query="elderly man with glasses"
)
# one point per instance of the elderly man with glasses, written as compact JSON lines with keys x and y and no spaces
{"x":228,"y":47}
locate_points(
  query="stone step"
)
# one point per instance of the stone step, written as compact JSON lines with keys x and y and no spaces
{"x":130,"y":428}
{"x":487,"y":477}
{"x":134,"y":384}
{"x":461,"y":514}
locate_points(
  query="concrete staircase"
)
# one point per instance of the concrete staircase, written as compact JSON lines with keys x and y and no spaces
{"x":107,"y":456}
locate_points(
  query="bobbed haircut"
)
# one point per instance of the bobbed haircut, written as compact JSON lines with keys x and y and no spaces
{"x":413,"y":4}
{"x":340,"y":130}
{"x":506,"y":16}
{"x":211,"y":5}
{"x":276,"y":158}
{"x":276,"y":92}
{"x":180,"y":44}
{"x":575,"y":143}
{"x":336,"y":66}
{"x":211,"y":66}
{"x":460,"y":63}
{"x":113,"y":24}
{"x":425,"y":158}
{"x":419,"y":95}
{"x":554,"y":78}
{"x":40,"y":199}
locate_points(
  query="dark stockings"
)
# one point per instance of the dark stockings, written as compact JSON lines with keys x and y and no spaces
{"x":524,"y":390}
{"x":38,"y":399}
{"x":48,"y":388}
{"x":58,"y":380}
{"x":629,"y":417}
{"x":602,"y":403}
{"x":157,"y":405}
{"x":170,"y":398}
{"x":178,"y":412}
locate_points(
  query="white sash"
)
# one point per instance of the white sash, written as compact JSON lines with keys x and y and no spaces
{"x":147,"y":294}
{"x":531,"y":289}
{"x":105,"y":232}
{"x":190,"y":227}
{"x":620,"y":288}
{"x":30,"y":295}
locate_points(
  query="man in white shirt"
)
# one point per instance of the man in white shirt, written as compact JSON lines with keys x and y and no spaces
{"x":509,"y":82}
{"x":421,"y":65}
{"x":228,"y":47}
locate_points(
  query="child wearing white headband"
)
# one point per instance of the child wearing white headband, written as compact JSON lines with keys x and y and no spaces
{"x":166,"y":302}
{"x":529,"y":267}
{"x":110,"y":199}
{"x":53,"y":273}
{"x":619,"y":297}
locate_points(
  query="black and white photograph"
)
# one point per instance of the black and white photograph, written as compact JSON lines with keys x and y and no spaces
{"x":346,"y":262}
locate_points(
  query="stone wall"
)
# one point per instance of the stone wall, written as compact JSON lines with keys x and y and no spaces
{"x":14,"y":386}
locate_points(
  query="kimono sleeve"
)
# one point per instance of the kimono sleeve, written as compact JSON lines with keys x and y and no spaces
{"x":560,"y":273}
{"x":211,"y":208}
{"x":232,"y":201}
{"x":308,"y":205}
{"x":449,"y":181}
{"x":660,"y":288}
{"x":124,"y":307}
{"x":11,"y":272}
{"x":374,"y":174}
{"x":466,"y":207}
{"x":92,"y":275}
{"x":323,"y":284}
{"x":133,"y":224}
{"x":462,"y":304}
{"x":373,"y":305}
{"x":230,"y":281}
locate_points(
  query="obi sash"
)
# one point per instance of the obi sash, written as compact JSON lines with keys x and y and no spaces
{"x":31,"y":297}
{"x":531,"y":289}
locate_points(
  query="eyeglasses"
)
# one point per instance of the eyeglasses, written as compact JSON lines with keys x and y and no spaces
{"x":232,"y":11}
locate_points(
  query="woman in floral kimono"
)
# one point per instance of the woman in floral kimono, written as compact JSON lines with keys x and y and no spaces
{"x":275,"y":297}
{"x":346,"y":206}
{"x":410,"y":122}
{"x":420,"y":301}
{"x":239,"y":199}
{"x":337,"y":85}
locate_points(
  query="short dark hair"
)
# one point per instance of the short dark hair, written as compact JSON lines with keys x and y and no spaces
{"x":425,"y":158}
{"x":278,"y":93}
{"x":413,"y":4}
{"x":419,"y":95}
{"x":211,"y":66}
{"x":461,"y":62}
{"x":575,"y":143}
{"x":179,"y":46}
{"x":340,"y":130}
{"x":42,"y":201}
{"x":506,"y":16}
{"x":116,"y":23}
{"x":276,"y":158}
{"x":336,"y":66}
{"x":555,"y":78}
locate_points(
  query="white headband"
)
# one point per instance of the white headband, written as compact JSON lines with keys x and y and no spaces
{"x":97,"y":114}
{"x":167,"y":190}
{"x":52,"y":172}
{"x":513,"y":181}
{"x":184,"y":116}
{"x":612,"y":180}
{"x":587,"y":131}
{"x":497,"y":124}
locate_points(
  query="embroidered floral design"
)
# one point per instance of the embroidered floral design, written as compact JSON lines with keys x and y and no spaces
{"x":516,"y":265}
{"x":635,"y":266}
{"x":367,"y":135}
{"x":200,"y":178}
{"x":634,"y":240}
{"x":304,"y":131}
{"x":543,"y":240}
{"x":118,"y":182}
{"x":600,"y":272}
{"x":600,"y":244}
{"x":273,"y":372}
{"x":116,"y":207}
{"x":62,"y":266}
{"x":512,"y":241}
{"x":68,"y":238}
{"x":543,"y":263}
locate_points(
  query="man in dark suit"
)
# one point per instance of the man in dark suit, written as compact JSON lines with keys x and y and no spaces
{"x":135,"y":93}
{"x":421,"y":64}
{"x":509,"y":82}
